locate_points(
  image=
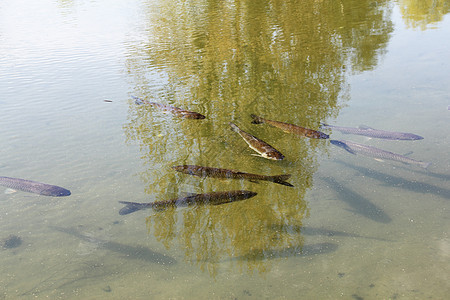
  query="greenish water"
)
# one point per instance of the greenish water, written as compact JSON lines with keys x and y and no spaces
{"x":350,"y":228}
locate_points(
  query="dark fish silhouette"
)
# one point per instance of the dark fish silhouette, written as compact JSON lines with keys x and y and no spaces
{"x":33,"y":187}
{"x":174,"y":110}
{"x":215,"y":198}
{"x":134,"y":252}
{"x":301,"y":250}
{"x":359,"y":204}
{"x":375,"y":133}
{"x":264,"y":149}
{"x":312,"y":231}
{"x":230,"y":174}
{"x":376,"y":153}
{"x":291,"y":128}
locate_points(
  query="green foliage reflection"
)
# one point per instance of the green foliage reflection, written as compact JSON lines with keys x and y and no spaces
{"x":283,"y":60}
{"x":421,"y":13}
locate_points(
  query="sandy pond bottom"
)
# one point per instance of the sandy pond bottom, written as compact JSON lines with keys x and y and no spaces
{"x":395,"y":253}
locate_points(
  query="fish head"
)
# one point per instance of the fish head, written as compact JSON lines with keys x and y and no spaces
{"x":248,"y":194}
{"x":318,"y":135}
{"x":187,"y":169}
{"x":179,"y":168}
{"x":192,"y":115}
{"x":242,"y":194}
{"x":273,"y":155}
{"x":55,"y":191}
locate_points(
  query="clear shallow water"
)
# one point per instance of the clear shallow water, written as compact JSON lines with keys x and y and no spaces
{"x":351,"y":227}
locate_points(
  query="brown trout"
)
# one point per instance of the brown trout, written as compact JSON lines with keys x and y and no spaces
{"x":230,"y":174}
{"x":291,"y":128}
{"x":174,"y":110}
{"x":215,"y":198}
{"x":264,"y":149}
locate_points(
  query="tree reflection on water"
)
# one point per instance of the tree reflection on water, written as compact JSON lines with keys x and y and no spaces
{"x":284,"y":60}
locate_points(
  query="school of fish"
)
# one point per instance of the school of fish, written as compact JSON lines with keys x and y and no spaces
{"x":261,"y":147}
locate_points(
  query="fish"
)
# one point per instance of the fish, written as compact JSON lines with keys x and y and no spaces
{"x":231,"y":174}
{"x":375,"y":133}
{"x":376,"y":153}
{"x":291,"y":128}
{"x":179,"y":112}
{"x":264,"y":149}
{"x":215,"y":198}
{"x":34,"y":187}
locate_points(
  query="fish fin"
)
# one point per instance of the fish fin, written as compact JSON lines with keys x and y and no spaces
{"x":256,"y":119}
{"x":254,"y":181}
{"x":131,"y":207}
{"x":364,"y":127}
{"x":425,"y":165}
{"x":322,"y":125}
{"x":379,"y":159}
{"x":126,"y":202}
{"x":408,"y":153}
{"x":257,"y":155}
{"x":281,"y":179}
{"x":9,"y":191}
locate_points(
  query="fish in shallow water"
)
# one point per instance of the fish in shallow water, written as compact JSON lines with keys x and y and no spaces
{"x":215,"y":198}
{"x":174,"y":110}
{"x":376,"y":153}
{"x":375,"y":133}
{"x":230,"y":174}
{"x":34,"y":187}
{"x":291,"y":128}
{"x":264,"y":149}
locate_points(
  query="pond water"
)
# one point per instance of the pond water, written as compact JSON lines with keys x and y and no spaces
{"x":351,"y":227}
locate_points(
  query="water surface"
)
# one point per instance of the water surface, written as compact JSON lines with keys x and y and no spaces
{"x":351,"y":227}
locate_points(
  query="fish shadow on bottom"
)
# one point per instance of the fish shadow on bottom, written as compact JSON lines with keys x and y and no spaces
{"x":389,"y":180}
{"x":306,"y":250}
{"x":358,"y":203}
{"x":131,"y":252}
{"x":314,"y":231}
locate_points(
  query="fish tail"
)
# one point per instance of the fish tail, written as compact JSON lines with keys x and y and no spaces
{"x":281,"y":179}
{"x":342,"y":145}
{"x":234,"y":127}
{"x":256,"y":119}
{"x":131,"y":207}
